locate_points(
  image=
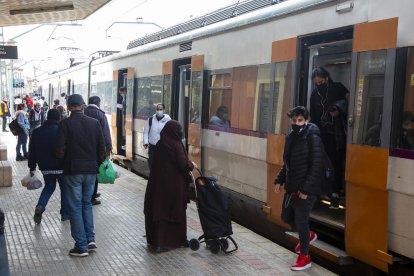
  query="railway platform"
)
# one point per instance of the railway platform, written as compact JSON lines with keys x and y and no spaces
{"x":30,"y":249}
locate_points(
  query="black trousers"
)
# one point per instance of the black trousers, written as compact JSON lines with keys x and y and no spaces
{"x":95,"y":191}
{"x":151,"y":154}
{"x":296,"y":211}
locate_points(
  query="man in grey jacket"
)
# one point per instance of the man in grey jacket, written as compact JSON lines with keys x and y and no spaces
{"x":94,"y":110}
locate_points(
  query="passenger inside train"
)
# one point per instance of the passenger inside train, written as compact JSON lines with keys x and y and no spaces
{"x":221,"y":118}
{"x":328,"y":110}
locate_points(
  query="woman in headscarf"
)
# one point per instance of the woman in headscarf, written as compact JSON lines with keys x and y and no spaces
{"x":165,"y":197}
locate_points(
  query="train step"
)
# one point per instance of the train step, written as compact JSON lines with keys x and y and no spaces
{"x":324,"y":250}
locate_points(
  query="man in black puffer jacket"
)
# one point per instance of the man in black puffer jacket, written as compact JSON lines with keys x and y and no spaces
{"x":302,"y":175}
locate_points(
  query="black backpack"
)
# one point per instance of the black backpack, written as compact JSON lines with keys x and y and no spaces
{"x":15,"y":128}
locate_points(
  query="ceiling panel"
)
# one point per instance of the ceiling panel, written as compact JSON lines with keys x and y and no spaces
{"x":22,"y":12}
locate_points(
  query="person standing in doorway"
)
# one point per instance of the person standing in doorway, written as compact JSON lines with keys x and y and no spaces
{"x":328,"y":110}
{"x":94,"y":110}
{"x":5,"y":112}
{"x":301,"y":176}
{"x":80,"y":144}
{"x":152,"y":130}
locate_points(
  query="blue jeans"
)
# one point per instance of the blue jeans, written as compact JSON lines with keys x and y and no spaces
{"x":79,"y":189}
{"x":48,"y":189}
{"x":21,"y":142}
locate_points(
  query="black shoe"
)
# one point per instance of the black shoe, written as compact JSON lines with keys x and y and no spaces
{"x":38,"y":215}
{"x":78,"y":253}
{"x":92,"y":245}
{"x":98,"y":195}
{"x":65,"y":218}
{"x":19,"y":158}
{"x":161,"y":249}
{"x":96,"y":201}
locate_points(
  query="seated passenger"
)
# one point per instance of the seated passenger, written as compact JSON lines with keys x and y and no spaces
{"x":407,"y":141}
{"x":221,"y":118}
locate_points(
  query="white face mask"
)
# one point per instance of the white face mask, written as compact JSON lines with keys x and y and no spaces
{"x":160,"y":113}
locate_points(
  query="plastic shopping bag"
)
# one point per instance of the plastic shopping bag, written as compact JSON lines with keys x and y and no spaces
{"x":107,"y":172}
{"x":31,"y":182}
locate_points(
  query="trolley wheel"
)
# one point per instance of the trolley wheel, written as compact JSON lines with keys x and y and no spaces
{"x":224,"y":244}
{"x":215,"y":247}
{"x":194,"y":244}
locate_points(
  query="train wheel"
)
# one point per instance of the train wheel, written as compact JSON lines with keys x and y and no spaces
{"x":194,"y":244}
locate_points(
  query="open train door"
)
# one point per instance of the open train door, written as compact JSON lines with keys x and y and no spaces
{"x":195,"y":109}
{"x":369,"y":127}
{"x":114,"y":112}
{"x":129,"y":116}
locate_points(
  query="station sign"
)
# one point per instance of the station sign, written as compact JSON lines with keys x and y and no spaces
{"x":18,"y":83}
{"x":8,"y":52}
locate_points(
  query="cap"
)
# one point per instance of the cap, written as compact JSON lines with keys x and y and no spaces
{"x":75,"y":100}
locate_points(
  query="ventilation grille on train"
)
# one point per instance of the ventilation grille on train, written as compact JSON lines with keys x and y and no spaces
{"x":187,"y":46}
{"x":205,"y":20}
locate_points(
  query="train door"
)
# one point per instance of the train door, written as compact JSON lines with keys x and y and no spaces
{"x":118,"y":122}
{"x":333,"y":51}
{"x":369,"y":128}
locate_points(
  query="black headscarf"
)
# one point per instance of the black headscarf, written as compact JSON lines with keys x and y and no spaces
{"x":170,"y":135}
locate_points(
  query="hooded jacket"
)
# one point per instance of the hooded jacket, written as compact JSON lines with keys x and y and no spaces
{"x":303,"y":162}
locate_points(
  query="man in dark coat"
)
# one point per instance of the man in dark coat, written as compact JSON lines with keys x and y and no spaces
{"x":81,"y":145}
{"x":42,"y":152}
{"x":93,"y":110}
{"x":301,"y":175}
{"x":328,"y":110}
{"x":165,"y":201}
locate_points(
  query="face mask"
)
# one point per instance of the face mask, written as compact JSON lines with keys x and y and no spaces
{"x":225,"y":116}
{"x":37,"y":108}
{"x":160,"y":113}
{"x":297,"y":128}
{"x":322,"y":86}
{"x":25,"y":110}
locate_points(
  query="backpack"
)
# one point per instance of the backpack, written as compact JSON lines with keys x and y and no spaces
{"x":328,"y":174}
{"x":15,"y":128}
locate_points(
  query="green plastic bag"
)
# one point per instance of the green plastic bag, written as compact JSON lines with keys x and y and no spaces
{"x":107,"y":173}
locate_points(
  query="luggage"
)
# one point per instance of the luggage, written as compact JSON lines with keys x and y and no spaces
{"x":15,"y":128}
{"x":214,"y":213}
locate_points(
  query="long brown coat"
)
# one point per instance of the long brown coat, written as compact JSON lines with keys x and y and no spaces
{"x":166,"y":194}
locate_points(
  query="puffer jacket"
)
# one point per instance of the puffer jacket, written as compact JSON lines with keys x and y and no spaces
{"x":303,"y":162}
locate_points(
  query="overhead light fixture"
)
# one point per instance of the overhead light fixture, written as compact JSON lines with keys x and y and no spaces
{"x":344,"y":7}
{"x":41,"y":9}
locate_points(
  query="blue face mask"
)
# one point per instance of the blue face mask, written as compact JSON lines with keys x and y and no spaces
{"x":25,"y":110}
{"x":160,"y":113}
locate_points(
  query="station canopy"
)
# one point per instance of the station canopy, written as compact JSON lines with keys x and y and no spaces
{"x":22,"y":12}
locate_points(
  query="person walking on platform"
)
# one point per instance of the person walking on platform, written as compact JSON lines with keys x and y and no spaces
{"x":80,"y":143}
{"x":42,"y":152}
{"x":5,"y":112}
{"x":93,"y":110}
{"x":152,"y":130}
{"x":165,"y":200}
{"x":301,"y":175}
{"x":36,"y":117}
{"x":22,"y":137}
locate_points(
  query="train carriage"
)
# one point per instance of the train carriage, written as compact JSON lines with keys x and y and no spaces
{"x":254,"y":60}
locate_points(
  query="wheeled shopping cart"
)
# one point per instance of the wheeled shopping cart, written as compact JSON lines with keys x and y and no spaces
{"x":212,"y":206}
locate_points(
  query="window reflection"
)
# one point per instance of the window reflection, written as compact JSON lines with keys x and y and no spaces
{"x":196,"y":86}
{"x":220,"y":97}
{"x":369,"y":98}
{"x":149,"y":94}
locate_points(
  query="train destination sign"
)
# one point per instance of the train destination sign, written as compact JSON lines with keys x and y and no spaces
{"x":8,"y":52}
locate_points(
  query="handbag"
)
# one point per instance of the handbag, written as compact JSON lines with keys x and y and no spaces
{"x":15,"y":128}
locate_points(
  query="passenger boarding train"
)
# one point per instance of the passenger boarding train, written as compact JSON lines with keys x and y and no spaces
{"x":252,"y":62}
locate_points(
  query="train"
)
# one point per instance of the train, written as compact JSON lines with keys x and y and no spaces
{"x":255,"y":60}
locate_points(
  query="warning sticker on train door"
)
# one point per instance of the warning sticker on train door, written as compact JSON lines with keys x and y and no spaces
{"x":359,"y":97}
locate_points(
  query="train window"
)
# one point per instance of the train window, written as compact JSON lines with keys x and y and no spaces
{"x":369,"y":98}
{"x":263,"y":106}
{"x":195,"y":105}
{"x":149,"y":93}
{"x":166,"y":93}
{"x":220,"y":99}
{"x":104,"y":91}
{"x":405,"y":124}
{"x":281,"y":97}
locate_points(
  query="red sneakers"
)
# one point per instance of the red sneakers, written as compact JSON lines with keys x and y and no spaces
{"x":303,"y":262}
{"x":312,"y":238}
